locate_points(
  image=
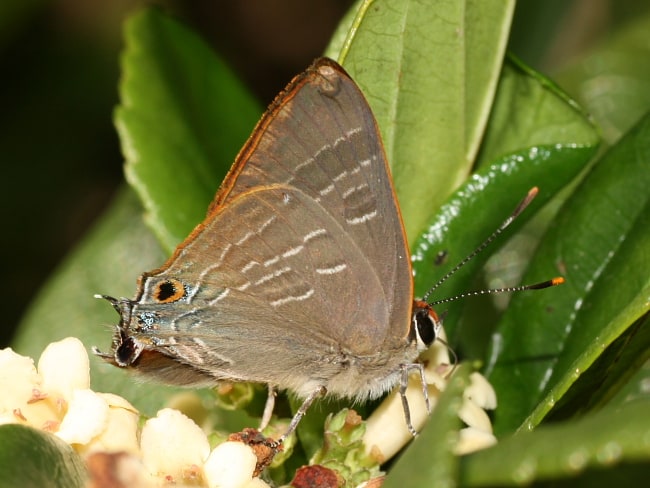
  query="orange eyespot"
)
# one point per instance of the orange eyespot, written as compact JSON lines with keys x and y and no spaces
{"x":169,"y":291}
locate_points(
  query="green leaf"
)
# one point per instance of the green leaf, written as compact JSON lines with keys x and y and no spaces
{"x":536,"y":136}
{"x":31,"y":458}
{"x":477,"y":209}
{"x":599,"y":242}
{"x":613,"y":378}
{"x":182,"y":118}
{"x":611,"y":438}
{"x":429,"y":460}
{"x":604,"y":316}
{"x":530,"y":110}
{"x":429,"y":71}
{"x":613,"y":81}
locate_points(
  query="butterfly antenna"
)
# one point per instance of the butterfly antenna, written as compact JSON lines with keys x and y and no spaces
{"x":532,"y":193}
{"x":535,"y":286}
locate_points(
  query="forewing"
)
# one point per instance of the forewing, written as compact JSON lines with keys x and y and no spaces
{"x":320,"y":137}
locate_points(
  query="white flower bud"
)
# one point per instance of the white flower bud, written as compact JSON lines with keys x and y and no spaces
{"x":64,"y":367}
{"x":230,"y":465}
{"x":172,"y":444}
{"x":471,"y":439}
{"x":86,"y":418}
{"x":481,"y":392}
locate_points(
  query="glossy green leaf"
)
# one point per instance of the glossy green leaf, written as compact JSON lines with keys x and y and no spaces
{"x":429,"y":460}
{"x":536,"y":136}
{"x":604,"y":380}
{"x":608,"y":439}
{"x":182,"y":118}
{"x":31,"y":458}
{"x":537,"y":344}
{"x":604,"y":316}
{"x":529,"y":110}
{"x":429,"y":71}
{"x":476,"y":210}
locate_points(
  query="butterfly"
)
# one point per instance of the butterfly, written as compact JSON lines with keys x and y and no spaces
{"x":299,"y":277}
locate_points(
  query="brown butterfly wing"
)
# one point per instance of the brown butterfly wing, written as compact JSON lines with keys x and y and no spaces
{"x":319,"y":136}
{"x":302,"y":260}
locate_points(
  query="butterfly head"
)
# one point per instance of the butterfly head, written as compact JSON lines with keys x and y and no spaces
{"x":125,"y":349}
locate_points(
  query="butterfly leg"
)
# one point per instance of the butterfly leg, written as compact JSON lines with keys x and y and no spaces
{"x":425,"y":389}
{"x":268,"y":408}
{"x":319,"y":392}
{"x":406,"y":368}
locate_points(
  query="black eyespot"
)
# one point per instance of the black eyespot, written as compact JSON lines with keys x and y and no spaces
{"x":169,"y":291}
{"x":165,"y":290}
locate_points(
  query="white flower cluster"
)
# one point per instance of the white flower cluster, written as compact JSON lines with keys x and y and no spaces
{"x":169,"y":449}
{"x":386,"y":431}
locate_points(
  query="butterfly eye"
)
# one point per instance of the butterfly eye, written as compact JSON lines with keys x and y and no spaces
{"x":168,"y":291}
{"x":127,"y":352}
{"x":425,"y":325}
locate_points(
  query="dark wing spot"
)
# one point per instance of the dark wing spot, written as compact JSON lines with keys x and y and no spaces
{"x":169,"y":291}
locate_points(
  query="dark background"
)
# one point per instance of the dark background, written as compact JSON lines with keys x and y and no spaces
{"x":60,"y":156}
